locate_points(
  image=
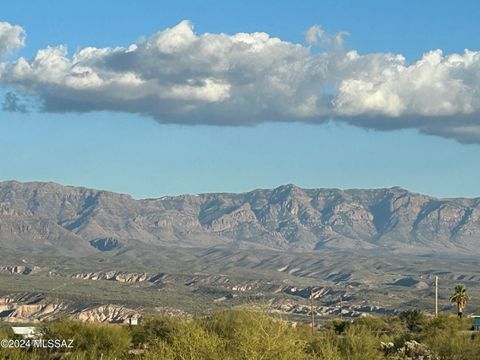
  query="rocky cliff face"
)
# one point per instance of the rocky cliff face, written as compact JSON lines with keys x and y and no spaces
{"x":33,"y":308}
{"x":119,"y":276}
{"x":19,"y":269}
{"x":36,"y":216}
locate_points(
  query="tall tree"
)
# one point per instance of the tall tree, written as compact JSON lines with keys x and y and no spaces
{"x":460,"y":298}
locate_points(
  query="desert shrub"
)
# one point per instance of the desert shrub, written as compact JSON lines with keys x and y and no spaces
{"x":446,"y":321}
{"x":92,"y":340}
{"x":242,"y":335}
{"x":159,"y":350}
{"x":413,"y":350}
{"x":384,"y":327}
{"x":191,"y":341}
{"x":5,"y":333}
{"x":151,"y":330}
{"x":323,"y":345}
{"x":452,"y":343}
{"x":339,"y":326}
{"x":448,"y":344}
{"x":253,"y":335}
{"x":414,"y":320}
{"x":449,"y":338}
{"x":20,"y":354}
{"x":358,"y":343}
{"x":168,"y":338}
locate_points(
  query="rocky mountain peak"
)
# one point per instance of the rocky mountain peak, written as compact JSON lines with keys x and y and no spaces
{"x":287,"y":217}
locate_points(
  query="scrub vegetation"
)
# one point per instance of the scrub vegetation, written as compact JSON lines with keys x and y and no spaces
{"x":241,"y":334}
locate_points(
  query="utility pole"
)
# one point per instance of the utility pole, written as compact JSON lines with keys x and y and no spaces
{"x":312,"y":314}
{"x":341,"y":307}
{"x":436,"y":296}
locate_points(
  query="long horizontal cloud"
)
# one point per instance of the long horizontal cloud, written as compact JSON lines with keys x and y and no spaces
{"x":178,"y":76}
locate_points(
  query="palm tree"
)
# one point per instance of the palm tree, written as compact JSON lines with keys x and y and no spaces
{"x":460,"y":298}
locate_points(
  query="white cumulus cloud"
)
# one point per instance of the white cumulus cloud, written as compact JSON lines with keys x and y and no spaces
{"x":179,"y":76}
{"x":317,"y":36}
{"x":12,"y":37}
{"x":435,"y":85}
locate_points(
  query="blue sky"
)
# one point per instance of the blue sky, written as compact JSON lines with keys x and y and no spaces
{"x":129,"y":150}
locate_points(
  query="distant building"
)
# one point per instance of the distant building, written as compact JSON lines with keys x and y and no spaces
{"x":476,"y":322}
{"x":132,"y":321}
{"x":27,"y":332}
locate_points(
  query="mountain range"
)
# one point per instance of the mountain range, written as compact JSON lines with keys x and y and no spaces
{"x":75,"y":221}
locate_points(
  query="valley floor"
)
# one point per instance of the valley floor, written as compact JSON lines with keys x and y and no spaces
{"x":187,"y":282}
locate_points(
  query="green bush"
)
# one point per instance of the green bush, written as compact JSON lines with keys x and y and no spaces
{"x":152,"y":330}
{"x":324,"y":345}
{"x":359,"y":343}
{"x":386,"y":328}
{"x":414,"y":320}
{"x":253,"y":335}
{"x":339,"y":326}
{"x":91,"y":340}
{"x":245,"y":335}
{"x":449,"y":337}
